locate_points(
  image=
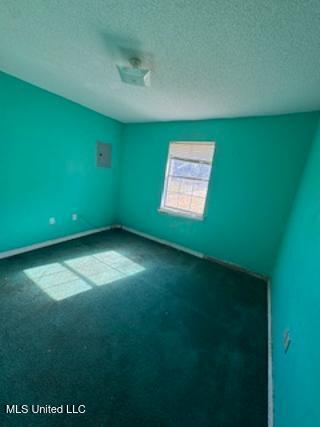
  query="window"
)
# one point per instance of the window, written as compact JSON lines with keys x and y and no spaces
{"x":187,"y":178}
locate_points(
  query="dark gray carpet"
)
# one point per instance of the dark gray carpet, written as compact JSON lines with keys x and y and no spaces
{"x":141,"y":334}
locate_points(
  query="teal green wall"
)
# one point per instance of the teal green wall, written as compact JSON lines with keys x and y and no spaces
{"x":47,"y":166}
{"x":296,"y":306}
{"x":257,"y":166}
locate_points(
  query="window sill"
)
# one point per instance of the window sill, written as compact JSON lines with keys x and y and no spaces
{"x":186,"y":215}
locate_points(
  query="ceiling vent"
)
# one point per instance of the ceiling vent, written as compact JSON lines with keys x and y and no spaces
{"x":135,"y":75}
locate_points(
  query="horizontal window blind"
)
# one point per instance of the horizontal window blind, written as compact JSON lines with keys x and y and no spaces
{"x":199,"y":151}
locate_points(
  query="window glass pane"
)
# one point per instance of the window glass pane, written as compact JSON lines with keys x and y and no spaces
{"x":186,"y":186}
{"x":173,"y":184}
{"x":205,"y":171}
{"x":172,"y":200}
{"x":184,"y":201}
{"x":197,"y":205}
{"x":200,"y":188}
{"x":189,"y":169}
{"x":187,"y":178}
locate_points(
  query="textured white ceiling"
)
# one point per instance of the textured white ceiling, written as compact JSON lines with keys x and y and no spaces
{"x":208,"y":58}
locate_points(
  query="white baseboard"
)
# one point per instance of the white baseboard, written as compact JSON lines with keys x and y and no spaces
{"x":191,"y":252}
{"x":116,"y":226}
{"x":29,"y":248}
{"x":236,"y":267}
{"x":163,"y":242}
{"x":270,"y":373}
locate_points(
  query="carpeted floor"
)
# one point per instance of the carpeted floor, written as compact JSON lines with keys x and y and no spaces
{"x":141,"y":334}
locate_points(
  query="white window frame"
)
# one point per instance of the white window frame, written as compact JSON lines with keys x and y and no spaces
{"x":179,"y":211}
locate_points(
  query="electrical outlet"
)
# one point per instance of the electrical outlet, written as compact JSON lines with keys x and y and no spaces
{"x":52,"y":220}
{"x":74,"y":217}
{"x":286,"y":340}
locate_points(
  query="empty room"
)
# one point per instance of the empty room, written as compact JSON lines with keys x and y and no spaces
{"x":160,"y":213}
